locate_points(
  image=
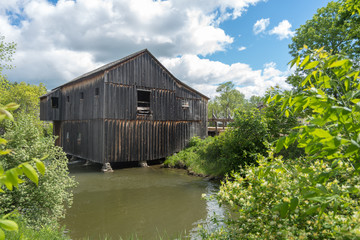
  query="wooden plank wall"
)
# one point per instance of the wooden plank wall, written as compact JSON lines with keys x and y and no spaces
{"x":90,"y":146}
{"x":47,"y":112}
{"x":111,"y":118}
{"x":139,"y":140}
{"x":130,"y":137}
{"x":71,"y":106}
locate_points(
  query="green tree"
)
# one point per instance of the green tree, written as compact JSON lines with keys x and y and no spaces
{"x":228,"y":100}
{"x":236,"y":147}
{"x":329,"y":29}
{"x":335,"y":28}
{"x":255,"y":101}
{"x":278,"y":124}
{"x":7,"y":49}
{"x":24,"y":94}
{"x":41,"y":202}
{"x":46,"y":203}
{"x":312,"y":197}
{"x":11,"y":177}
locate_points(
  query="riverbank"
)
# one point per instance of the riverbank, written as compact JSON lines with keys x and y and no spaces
{"x":190,"y":172}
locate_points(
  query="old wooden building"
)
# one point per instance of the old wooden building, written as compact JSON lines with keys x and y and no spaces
{"x":129,"y":110}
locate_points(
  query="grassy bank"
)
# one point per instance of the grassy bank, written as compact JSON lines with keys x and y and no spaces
{"x":219,"y":155}
{"x":53,"y":232}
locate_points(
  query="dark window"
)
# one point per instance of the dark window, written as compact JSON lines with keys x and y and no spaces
{"x":54,"y":102}
{"x":68,"y":98}
{"x":97,"y":91}
{"x":143,"y":101}
{"x":79,"y":138}
{"x":82,"y":95}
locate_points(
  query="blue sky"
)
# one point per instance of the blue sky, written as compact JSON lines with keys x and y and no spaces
{"x":263,"y":48}
{"x":202,"y":42}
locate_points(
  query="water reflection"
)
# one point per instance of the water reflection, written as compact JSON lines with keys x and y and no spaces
{"x":147,"y":202}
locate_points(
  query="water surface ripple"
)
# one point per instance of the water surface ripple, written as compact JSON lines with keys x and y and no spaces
{"x":146,"y":202}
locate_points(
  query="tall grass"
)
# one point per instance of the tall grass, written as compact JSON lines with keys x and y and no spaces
{"x":41,"y":233}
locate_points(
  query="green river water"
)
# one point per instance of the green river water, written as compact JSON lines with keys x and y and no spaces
{"x":143,"y":202}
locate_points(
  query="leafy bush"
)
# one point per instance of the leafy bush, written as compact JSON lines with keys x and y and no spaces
{"x":43,"y":233}
{"x":10,"y":177}
{"x":192,"y":157}
{"x":289,"y":200}
{"x":24,"y":94}
{"x":245,"y":139}
{"x":46,"y":203}
{"x":317,"y":196}
{"x":227,"y":152}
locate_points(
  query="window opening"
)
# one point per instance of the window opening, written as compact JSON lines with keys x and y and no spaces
{"x":185,"y":104}
{"x":54,"y":102}
{"x":79,"y":138}
{"x":97,"y":91}
{"x":82,"y":95}
{"x":67,"y":136}
{"x":68,"y":98}
{"x":143,"y":101}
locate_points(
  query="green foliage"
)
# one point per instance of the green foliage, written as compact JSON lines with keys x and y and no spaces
{"x":46,"y":203}
{"x":331,"y":96}
{"x":26,"y":95}
{"x":6,"y":51}
{"x":245,"y":139}
{"x":280,"y":125}
{"x":228,"y":151}
{"x":291,"y":200}
{"x":10,"y":177}
{"x":44,"y":233}
{"x":39,"y":200}
{"x":312,"y":197}
{"x":336,"y":32}
{"x":228,"y":100}
{"x":335,"y":28}
{"x":255,"y":101}
{"x":194,"y":157}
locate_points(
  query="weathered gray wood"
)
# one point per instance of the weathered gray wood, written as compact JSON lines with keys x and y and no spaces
{"x":111,"y":128}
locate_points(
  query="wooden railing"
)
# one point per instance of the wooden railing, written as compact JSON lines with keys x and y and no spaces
{"x":216,"y":129}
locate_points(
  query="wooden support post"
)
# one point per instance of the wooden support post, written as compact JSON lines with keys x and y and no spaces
{"x":107,"y":168}
{"x":216,"y":129}
{"x":143,"y":164}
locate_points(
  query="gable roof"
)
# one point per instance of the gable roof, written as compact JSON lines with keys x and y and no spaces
{"x":120,"y":61}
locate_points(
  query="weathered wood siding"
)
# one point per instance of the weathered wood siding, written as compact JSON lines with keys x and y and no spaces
{"x":169,"y":127}
{"x":47,"y":111}
{"x":76,"y":102}
{"x":107,"y":119}
{"x":80,"y":101}
{"x":139,"y":140}
{"x":83,"y":138}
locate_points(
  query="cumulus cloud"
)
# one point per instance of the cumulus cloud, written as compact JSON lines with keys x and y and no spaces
{"x":241,"y":48}
{"x":261,"y":25}
{"x":205,"y":75}
{"x":283,"y":30}
{"x":58,"y":42}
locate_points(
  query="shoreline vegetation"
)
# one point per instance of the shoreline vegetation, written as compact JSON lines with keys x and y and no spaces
{"x":290,"y":170}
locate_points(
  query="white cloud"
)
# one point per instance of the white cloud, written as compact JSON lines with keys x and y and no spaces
{"x":261,"y":25}
{"x":241,"y":48}
{"x":283,"y":30}
{"x":59,"y":42}
{"x":205,"y":75}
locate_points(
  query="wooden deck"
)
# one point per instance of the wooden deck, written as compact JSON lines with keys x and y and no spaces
{"x":214,"y":131}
